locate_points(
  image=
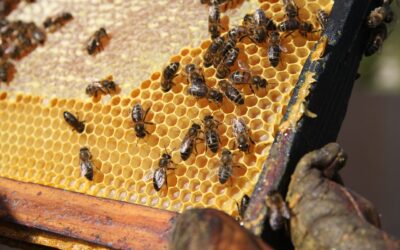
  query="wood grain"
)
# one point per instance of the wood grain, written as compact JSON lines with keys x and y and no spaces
{"x":105,"y":222}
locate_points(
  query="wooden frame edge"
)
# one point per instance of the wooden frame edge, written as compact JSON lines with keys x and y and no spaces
{"x":101,"y":221}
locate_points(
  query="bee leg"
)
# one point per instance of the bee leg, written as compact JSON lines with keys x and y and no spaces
{"x":251,"y":88}
{"x":147,"y":132}
{"x":234,"y":144}
{"x":252,"y":40}
{"x":251,"y":140}
{"x":144,"y":117}
{"x":242,"y":37}
{"x":289,"y":34}
{"x":238,"y":207}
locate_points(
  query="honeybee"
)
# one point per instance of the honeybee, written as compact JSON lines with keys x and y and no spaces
{"x":6,"y":71}
{"x":96,"y":41}
{"x":215,"y":96}
{"x":274,"y":50}
{"x":259,"y":30}
{"x":243,"y":76}
{"x":278,"y":211}
{"x":74,"y":122}
{"x":248,"y":20}
{"x":237,"y":33}
{"x":305,"y":28}
{"x":23,"y":40}
{"x":169,"y":73}
{"x":212,"y":51}
{"x":244,"y":203}
{"x":160,"y":175}
{"x":376,"y":39}
{"x":227,"y":46}
{"x":242,"y":134}
{"x":37,"y":34}
{"x":291,"y":9}
{"x":13,"y":50}
{"x":225,"y":166}
{"x":230,"y":58}
{"x":56,"y":22}
{"x":211,"y":135}
{"x":214,"y":19}
{"x":289,"y":25}
{"x":231,"y":92}
{"x":189,"y":141}
{"x":380,"y":14}
{"x":322,"y":18}
{"x":85,"y":158}
{"x":105,"y":86}
{"x":198,"y":87}
{"x":292,"y":23}
{"x":139,"y":118}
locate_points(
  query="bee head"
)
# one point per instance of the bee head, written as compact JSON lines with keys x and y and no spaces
{"x":166,"y":156}
{"x":190,"y":68}
{"x":84,"y":153}
{"x":226,"y":152}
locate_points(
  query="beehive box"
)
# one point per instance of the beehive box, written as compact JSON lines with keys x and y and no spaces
{"x":38,"y":147}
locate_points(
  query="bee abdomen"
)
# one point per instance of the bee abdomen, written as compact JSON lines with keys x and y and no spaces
{"x":235,"y":95}
{"x":186,"y":150}
{"x":212,"y":140}
{"x":273,"y":55}
{"x":186,"y":154}
{"x":137,"y":113}
{"x":87,"y":170}
{"x":224,"y":174}
{"x":159,"y":178}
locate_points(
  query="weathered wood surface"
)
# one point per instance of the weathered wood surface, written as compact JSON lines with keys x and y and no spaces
{"x":105,"y":222}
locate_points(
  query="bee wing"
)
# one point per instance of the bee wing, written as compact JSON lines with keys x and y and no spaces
{"x":243,"y":65}
{"x":159,"y":178}
{"x":283,"y":48}
{"x":86,"y":167}
{"x":239,"y":126}
{"x":185,"y":144}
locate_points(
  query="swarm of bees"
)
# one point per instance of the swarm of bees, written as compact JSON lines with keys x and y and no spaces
{"x":222,"y":54}
{"x":18,"y":39}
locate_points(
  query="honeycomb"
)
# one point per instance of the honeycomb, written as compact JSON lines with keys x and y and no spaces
{"x":164,"y":35}
{"x":37,"y":146}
